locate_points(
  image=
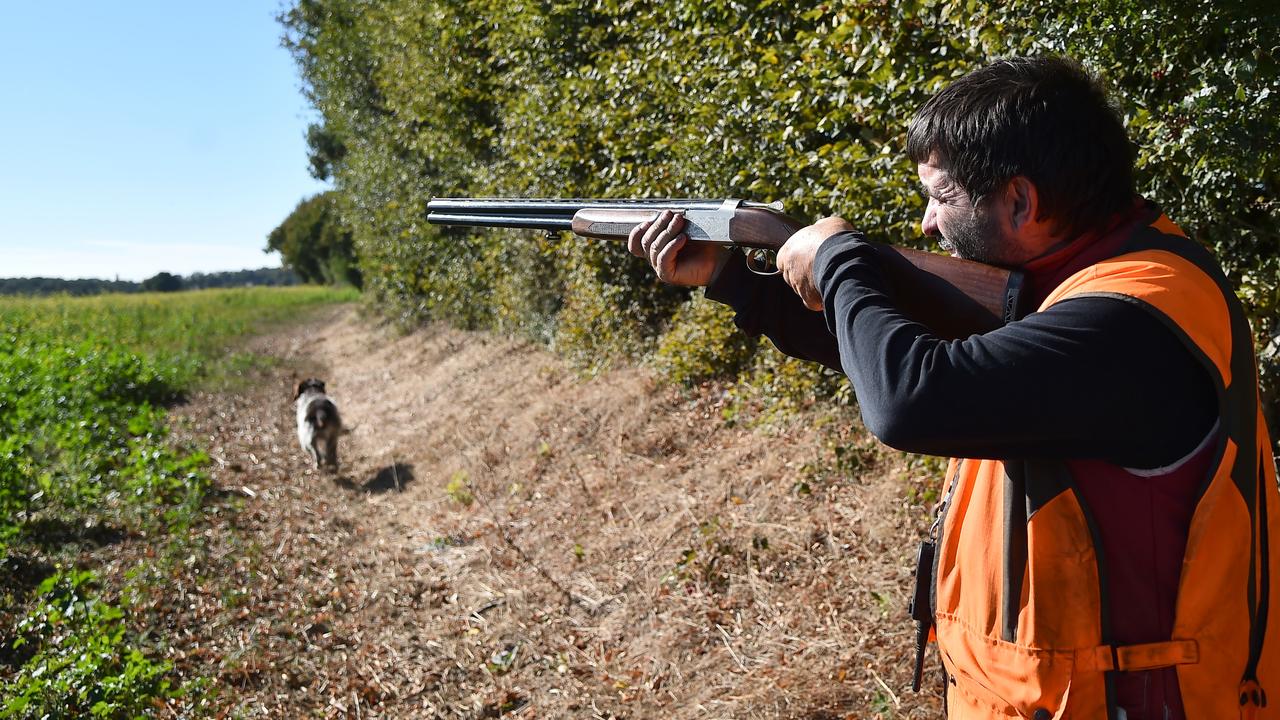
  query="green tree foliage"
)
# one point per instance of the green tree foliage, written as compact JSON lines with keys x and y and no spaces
{"x":162,"y":282}
{"x":763,"y":100}
{"x":261,"y":277}
{"x":324,"y":151}
{"x":316,"y":244}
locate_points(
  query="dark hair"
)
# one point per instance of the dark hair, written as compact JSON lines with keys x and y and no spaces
{"x":1044,"y":118}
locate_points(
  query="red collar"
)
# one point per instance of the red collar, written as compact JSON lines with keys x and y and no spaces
{"x":1048,"y":271}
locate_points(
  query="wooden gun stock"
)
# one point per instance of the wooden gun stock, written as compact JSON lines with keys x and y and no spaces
{"x":954,"y":298}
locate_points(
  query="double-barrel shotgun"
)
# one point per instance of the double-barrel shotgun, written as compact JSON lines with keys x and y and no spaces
{"x":952,"y":297}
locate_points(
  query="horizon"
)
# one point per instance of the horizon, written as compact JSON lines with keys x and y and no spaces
{"x":148,"y":140}
{"x":184,"y":276}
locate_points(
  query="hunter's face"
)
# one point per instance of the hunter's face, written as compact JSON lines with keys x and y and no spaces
{"x":963,"y":230}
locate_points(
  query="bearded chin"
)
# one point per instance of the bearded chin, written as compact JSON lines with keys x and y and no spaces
{"x":978,"y":238}
{"x":971,"y":248}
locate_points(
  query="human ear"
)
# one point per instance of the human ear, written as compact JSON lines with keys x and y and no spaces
{"x":1022,"y":202}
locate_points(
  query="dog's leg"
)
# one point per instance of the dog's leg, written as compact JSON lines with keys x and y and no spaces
{"x":331,"y":450}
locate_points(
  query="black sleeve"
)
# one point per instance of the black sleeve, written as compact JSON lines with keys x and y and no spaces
{"x":1088,"y":378}
{"x":767,"y":305}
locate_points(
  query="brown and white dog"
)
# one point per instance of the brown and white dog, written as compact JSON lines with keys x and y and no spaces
{"x":319,"y":424}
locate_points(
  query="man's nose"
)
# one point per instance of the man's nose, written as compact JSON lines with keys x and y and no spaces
{"x":929,"y":225}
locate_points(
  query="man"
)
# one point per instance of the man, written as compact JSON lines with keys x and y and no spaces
{"x":1105,"y":547}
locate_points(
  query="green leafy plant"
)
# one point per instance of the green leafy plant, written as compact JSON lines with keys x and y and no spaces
{"x":459,"y":489}
{"x":703,"y":564}
{"x":86,"y":458}
{"x":82,"y":665}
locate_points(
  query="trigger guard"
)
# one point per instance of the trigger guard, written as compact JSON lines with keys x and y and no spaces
{"x":762,"y":262}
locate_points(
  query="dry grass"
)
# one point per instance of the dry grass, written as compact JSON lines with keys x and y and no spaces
{"x":624,"y":554}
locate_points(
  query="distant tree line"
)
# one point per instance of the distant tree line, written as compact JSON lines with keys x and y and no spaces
{"x":239,"y":278}
{"x":160,"y":282}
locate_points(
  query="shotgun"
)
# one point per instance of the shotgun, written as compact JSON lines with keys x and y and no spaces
{"x":952,"y":297}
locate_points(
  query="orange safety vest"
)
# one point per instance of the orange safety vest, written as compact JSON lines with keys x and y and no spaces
{"x":1020,"y":599}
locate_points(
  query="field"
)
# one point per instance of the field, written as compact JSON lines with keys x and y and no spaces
{"x":507,"y":537}
{"x":86,"y":461}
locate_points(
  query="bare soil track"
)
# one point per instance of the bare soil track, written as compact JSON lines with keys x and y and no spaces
{"x":506,"y":538}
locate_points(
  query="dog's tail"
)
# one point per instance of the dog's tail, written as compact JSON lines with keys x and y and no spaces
{"x":322,"y":413}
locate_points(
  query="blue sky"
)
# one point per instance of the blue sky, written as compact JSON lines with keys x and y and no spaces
{"x":144,"y":136}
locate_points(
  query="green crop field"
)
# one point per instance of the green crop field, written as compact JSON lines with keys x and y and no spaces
{"x":85,"y":455}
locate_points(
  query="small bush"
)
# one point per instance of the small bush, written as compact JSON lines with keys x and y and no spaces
{"x":459,"y":489}
{"x":703,"y":343}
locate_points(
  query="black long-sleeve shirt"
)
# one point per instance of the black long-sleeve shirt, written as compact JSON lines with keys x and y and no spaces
{"x":1092,"y":377}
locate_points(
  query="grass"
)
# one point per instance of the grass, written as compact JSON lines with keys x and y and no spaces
{"x":85,"y":460}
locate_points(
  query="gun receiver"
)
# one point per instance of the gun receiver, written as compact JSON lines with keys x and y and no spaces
{"x":953,"y":297}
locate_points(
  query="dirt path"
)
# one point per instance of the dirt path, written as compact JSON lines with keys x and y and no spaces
{"x":507,"y":538}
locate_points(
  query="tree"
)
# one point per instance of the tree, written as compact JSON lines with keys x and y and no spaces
{"x":162,"y":282}
{"x":316,"y":244}
{"x":324,"y":151}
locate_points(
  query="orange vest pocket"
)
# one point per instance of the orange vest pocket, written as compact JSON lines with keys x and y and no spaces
{"x":1004,"y":679}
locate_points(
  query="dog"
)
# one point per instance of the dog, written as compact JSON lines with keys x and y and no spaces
{"x":319,"y":424}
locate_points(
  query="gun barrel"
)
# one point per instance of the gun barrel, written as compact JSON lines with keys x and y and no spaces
{"x":529,"y":222}
{"x":561,"y":206}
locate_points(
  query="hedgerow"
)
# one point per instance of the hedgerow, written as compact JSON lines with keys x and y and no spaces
{"x":762,"y":100}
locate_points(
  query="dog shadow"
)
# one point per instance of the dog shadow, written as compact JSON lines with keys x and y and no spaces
{"x":390,"y":478}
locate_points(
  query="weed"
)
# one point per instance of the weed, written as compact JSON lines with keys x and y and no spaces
{"x":503,"y":660}
{"x":703,"y":563}
{"x":882,"y":705}
{"x":459,"y":489}
{"x":930,"y":465}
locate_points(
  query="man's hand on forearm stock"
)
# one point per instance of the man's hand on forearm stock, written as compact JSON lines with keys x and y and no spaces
{"x":669,"y":251}
{"x":795,"y":259}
